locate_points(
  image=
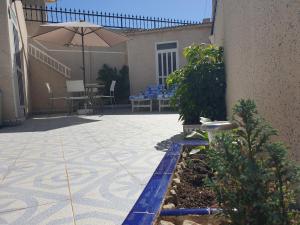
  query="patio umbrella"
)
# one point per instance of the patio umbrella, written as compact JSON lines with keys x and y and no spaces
{"x":79,"y":34}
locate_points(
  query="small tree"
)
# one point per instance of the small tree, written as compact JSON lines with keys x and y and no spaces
{"x":253,"y":179}
{"x":107,"y":74}
{"x":200,"y":84}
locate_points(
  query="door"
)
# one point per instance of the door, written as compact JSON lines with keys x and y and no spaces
{"x":167,"y":60}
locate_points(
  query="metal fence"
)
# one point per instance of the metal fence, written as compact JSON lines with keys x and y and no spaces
{"x":113,"y":20}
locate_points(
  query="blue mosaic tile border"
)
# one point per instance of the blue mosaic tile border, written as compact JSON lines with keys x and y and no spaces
{"x":148,"y":205}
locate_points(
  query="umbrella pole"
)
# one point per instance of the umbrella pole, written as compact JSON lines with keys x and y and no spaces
{"x":83,"y":64}
{"x":83,"y":60}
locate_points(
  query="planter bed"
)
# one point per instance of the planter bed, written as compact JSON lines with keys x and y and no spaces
{"x":151,"y":207}
{"x":187,"y":200}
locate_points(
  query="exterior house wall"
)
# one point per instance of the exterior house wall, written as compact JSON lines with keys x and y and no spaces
{"x":130,"y":53}
{"x":40,"y":74}
{"x":261,"y":40}
{"x":24,"y":57}
{"x":11,"y":15}
{"x":141,"y":50}
{"x":95,"y":57}
{"x":6,"y":69}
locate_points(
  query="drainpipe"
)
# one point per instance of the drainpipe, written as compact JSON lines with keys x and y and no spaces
{"x":192,"y":211}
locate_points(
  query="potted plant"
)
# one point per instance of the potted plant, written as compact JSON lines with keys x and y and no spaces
{"x":200,"y":86}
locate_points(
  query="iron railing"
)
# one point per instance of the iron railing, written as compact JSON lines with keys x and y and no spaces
{"x":112,"y":20}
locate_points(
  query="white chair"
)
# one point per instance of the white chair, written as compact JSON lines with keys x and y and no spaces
{"x":51,"y":97}
{"x":76,"y":87}
{"x":112,"y":92}
{"x":141,"y":103}
{"x":163,"y":103}
{"x":111,"y":95}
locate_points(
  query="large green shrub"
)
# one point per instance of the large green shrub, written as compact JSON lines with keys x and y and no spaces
{"x":107,"y":74}
{"x":254,"y":181}
{"x":200,"y":84}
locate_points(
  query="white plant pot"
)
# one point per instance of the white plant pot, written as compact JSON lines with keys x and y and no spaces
{"x":214,"y":127}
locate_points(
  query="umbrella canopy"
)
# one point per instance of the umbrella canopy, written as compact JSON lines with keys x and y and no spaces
{"x":70,"y":33}
{"x":79,"y":34}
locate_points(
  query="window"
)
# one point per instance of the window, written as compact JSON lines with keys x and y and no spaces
{"x":18,"y":65}
{"x":17,"y":48}
{"x":167,"y":62}
{"x":21,"y":88}
{"x":164,"y":46}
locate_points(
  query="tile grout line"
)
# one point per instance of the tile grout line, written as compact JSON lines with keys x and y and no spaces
{"x":68,"y":181}
{"x":33,"y":206}
{"x":116,"y":160}
{"x":15,"y":161}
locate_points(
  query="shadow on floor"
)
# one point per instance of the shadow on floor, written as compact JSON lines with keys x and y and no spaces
{"x":46,"y":123}
{"x":165,"y":144}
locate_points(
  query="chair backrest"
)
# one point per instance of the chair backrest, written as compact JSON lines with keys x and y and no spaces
{"x":49,"y":88}
{"x":75,"y":86}
{"x":112,"y":86}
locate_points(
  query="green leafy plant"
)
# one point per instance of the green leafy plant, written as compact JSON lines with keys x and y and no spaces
{"x":254,"y":181}
{"x":200,"y":84}
{"x":107,"y":74}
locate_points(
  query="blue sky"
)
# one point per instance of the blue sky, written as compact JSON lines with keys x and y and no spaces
{"x":194,"y":10}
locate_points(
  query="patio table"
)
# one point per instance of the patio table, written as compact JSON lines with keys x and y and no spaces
{"x":92,"y":91}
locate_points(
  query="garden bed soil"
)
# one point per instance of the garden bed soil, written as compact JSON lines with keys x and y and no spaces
{"x":188,"y":190}
{"x":188,"y":182}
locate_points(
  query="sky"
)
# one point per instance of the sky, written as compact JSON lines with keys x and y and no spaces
{"x":194,"y":10}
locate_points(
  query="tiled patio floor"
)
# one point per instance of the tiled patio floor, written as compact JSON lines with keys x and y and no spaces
{"x":79,"y":170}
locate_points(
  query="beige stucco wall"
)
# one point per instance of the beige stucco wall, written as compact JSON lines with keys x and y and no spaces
{"x":218,"y":31}
{"x":11,"y":109}
{"x":95,"y":57}
{"x":6,"y":72}
{"x":261,"y":40}
{"x":25,"y":61}
{"x":142,"y":52}
{"x":40,"y":74}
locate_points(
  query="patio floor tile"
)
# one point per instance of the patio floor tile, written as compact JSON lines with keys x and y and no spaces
{"x":37,"y":191}
{"x":95,"y":165}
{"x":96,"y":215}
{"x":32,"y":171}
{"x":47,"y":214}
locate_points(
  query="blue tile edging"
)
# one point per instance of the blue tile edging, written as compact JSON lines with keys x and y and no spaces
{"x":148,"y":205}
